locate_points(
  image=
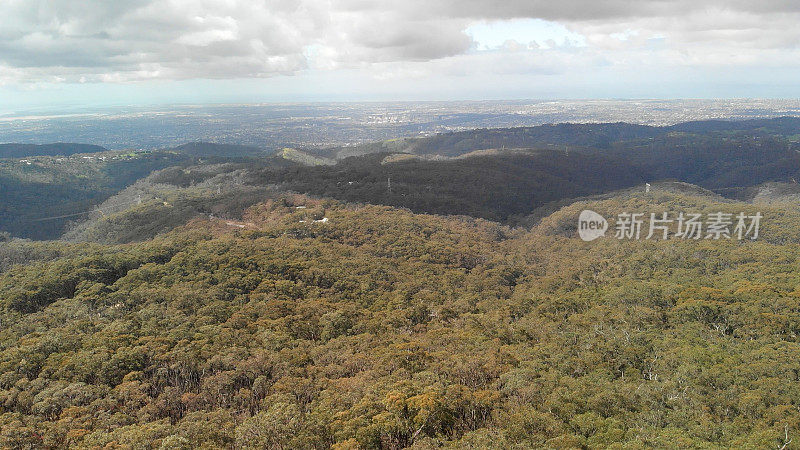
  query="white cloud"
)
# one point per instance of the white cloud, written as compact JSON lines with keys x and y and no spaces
{"x":117,"y":41}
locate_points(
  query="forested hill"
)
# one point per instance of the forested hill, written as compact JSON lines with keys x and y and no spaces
{"x":208,"y":149}
{"x":501,"y":185}
{"x":599,"y":135}
{"x":494,"y":187}
{"x":786,"y":126}
{"x":502,"y":175}
{"x":213,"y":306}
{"x":316,"y":324}
{"x":459,"y":143}
{"x":505,"y":185}
{"x":43,"y":195}
{"x":57,"y":149}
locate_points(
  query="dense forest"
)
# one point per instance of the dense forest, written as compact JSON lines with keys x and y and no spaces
{"x":591,"y":135}
{"x":380,"y":328}
{"x":404,"y":299}
{"x":510,"y":186}
{"x":44,"y":195}
{"x":493,"y":187}
{"x":504,"y":174}
{"x":507,"y":185}
{"x":58,"y":149}
{"x":40,"y":195}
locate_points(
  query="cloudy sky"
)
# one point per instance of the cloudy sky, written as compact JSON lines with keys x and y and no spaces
{"x":100,"y":52}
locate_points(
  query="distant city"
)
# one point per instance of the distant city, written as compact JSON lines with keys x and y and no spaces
{"x":273,"y":126}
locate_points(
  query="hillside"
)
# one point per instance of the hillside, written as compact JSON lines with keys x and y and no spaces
{"x":516,"y":186}
{"x":208,"y":149}
{"x":57,"y":149}
{"x":494,"y":187}
{"x":291,"y":154}
{"x":787,"y":194}
{"x":46,"y":196}
{"x":170,"y":198}
{"x":380,"y":328}
{"x":508,"y":184}
{"x":505,"y":175}
{"x":43,"y":194}
{"x":577,"y":135}
{"x":458,"y":143}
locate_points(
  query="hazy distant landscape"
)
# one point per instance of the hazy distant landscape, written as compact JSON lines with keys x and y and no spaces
{"x":273,"y":126}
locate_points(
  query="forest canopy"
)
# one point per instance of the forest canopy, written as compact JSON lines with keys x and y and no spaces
{"x":380,"y":328}
{"x":403,"y":299}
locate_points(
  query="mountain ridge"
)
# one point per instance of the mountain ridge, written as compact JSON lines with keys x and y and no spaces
{"x":13,"y":150}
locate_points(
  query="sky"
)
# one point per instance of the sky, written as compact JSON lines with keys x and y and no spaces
{"x":96,"y":53}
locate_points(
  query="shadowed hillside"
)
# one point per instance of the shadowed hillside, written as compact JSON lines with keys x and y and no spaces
{"x":57,"y":149}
